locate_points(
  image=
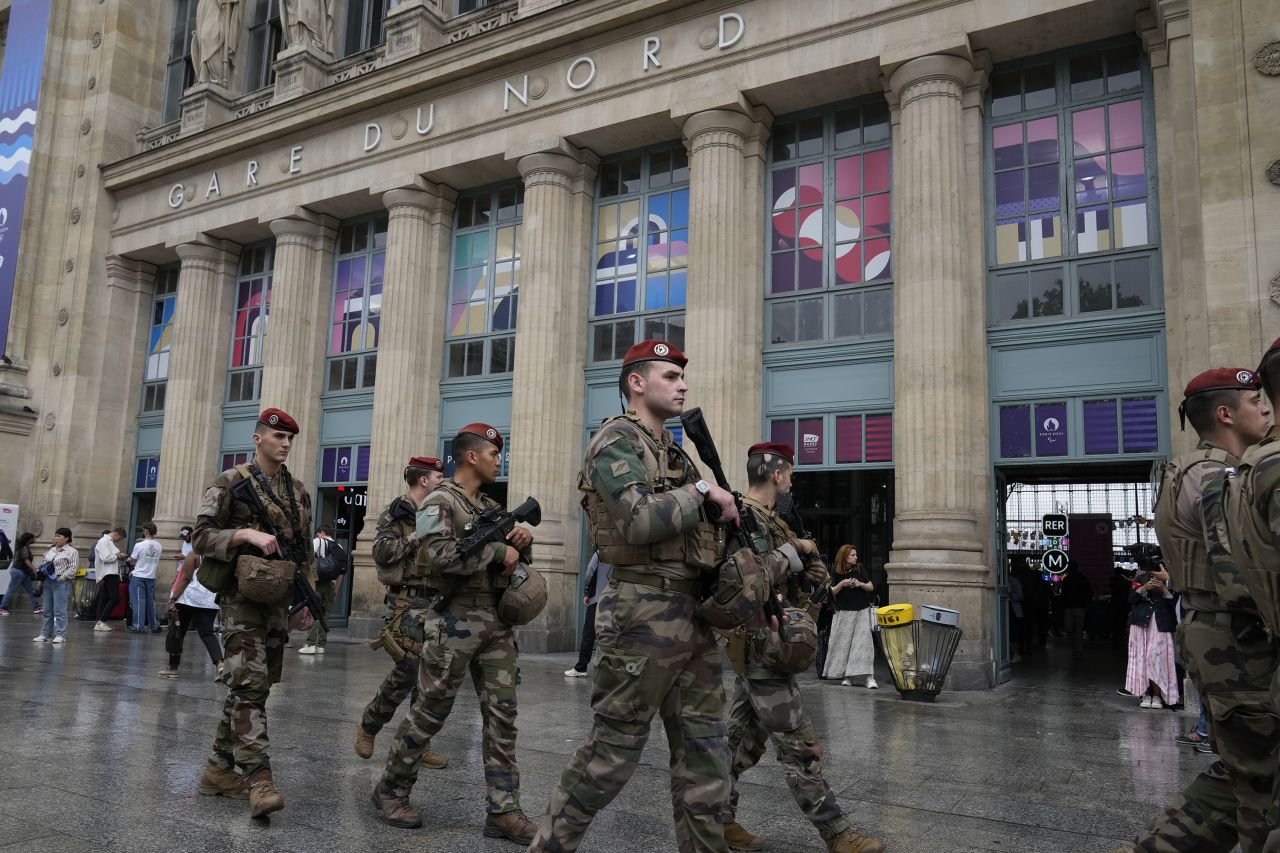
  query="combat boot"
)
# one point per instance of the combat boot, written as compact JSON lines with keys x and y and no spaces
{"x":850,"y":841}
{"x":434,"y":760}
{"x":263,"y":796}
{"x":513,"y":826}
{"x":395,"y":810}
{"x":217,"y":782}
{"x":364,"y":742}
{"x":741,"y":841}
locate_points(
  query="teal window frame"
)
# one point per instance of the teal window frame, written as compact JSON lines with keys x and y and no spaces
{"x":1065,"y":272}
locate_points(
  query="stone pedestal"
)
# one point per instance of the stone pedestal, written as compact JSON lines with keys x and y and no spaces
{"x":413,"y":27}
{"x":941,"y":530}
{"x":724,"y":313}
{"x":205,"y":105}
{"x":406,"y":400}
{"x":293,"y":354}
{"x":551,"y":345}
{"x":300,"y":69}
{"x":197,"y":376}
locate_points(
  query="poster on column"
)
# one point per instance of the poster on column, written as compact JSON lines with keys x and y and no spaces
{"x":19,"y":93}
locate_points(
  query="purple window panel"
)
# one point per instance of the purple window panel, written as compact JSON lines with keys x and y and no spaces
{"x":879,"y":430}
{"x":1015,"y":432}
{"x":783,"y":431}
{"x":362,"y":464}
{"x":1100,"y":428}
{"x":849,"y":439}
{"x":1140,"y":423}
{"x":1051,"y":429}
{"x":342,"y":474}
{"x":329,"y":465}
{"x":809,"y":451}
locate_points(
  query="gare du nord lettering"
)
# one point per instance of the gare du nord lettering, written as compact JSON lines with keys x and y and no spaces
{"x":579,"y":74}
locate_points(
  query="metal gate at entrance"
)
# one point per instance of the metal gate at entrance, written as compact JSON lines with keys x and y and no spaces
{"x":1106,"y":508}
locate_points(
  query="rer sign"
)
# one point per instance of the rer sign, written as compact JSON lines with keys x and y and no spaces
{"x":1054,"y":525}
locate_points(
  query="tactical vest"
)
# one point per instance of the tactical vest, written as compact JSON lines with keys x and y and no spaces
{"x":666,"y":469}
{"x":451,"y":497}
{"x":396,"y":522}
{"x":1186,"y":557}
{"x":1247,"y":506}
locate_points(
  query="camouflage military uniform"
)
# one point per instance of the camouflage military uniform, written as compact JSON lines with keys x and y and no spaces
{"x":395,"y":547}
{"x":1230,"y":798}
{"x":655,"y":656}
{"x":766,"y":706}
{"x":253,"y":634}
{"x":467,"y":631}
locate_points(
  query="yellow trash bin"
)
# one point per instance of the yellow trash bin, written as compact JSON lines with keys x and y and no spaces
{"x":918,"y":647}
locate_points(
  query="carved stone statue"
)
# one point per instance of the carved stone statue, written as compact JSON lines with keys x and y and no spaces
{"x":216,"y":40}
{"x":308,"y":22}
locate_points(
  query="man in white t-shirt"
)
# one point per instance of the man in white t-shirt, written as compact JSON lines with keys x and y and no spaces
{"x":145,"y":559}
{"x":107,"y":557}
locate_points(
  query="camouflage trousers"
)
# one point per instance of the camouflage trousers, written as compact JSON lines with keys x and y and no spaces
{"x":654,"y":659}
{"x":462,"y":639}
{"x":253,"y":636}
{"x":1230,"y":800}
{"x":768,"y":709}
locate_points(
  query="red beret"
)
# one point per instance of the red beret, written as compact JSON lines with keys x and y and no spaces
{"x":485,"y":431}
{"x":279,"y":419}
{"x":777,"y":448}
{"x":429,"y":462}
{"x":652,"y":350}
{"x":1217,"y":379}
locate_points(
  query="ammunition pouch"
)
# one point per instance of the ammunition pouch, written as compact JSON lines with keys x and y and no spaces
{"x":793,"y":647}
{"x":216,"y":575}
{"x":740,"y":591}
{"x":402,"y":634}
{"x":264,"y":581}
{"x":524,"y":597}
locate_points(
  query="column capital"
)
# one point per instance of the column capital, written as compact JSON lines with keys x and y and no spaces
{"x":207,"y":252}
{"x":421,"y":197}
{"x":1157,"y":26}
{"x":939,"y":74}
{"x":729,"y":127}
{"x":303,"y":226}
{"x":130,"y":274}
{"x":556,"y":163}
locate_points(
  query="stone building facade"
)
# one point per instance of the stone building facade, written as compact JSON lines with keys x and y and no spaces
{"x":927,"y":241}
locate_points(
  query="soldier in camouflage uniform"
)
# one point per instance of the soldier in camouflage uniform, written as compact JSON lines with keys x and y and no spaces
{"x":766,"y":704}
{"x":1252,"y":518}
{"x":644,"y":505}
{"x":1227,"y":656}
{"x":466,"y":628}
{"x":254,"y":634}
{"x":395,"y":551}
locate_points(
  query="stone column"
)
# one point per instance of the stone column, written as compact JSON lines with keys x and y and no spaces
{"x":197,"y":376}
{"x":293,"y":355}
{"x":724,"y":315}
{"x":939,"y":553}
{"x":551,"y":346}
{"x":130,"y":288}
{"x":406,"y":399}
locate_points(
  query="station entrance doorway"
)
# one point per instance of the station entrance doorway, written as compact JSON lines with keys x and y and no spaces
{"x":854,"y":507}
{"x":1107,"y":507}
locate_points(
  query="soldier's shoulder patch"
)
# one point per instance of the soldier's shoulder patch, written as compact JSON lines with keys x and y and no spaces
{"x":620,"y":467}
{"x":432,"y":509}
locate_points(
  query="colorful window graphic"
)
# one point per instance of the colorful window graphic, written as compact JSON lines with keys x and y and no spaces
{"x":249,"y":323}
{"x":231,"y":460}
{"x":357,"y":303}
{"x":484,"y":289}
{"x":641,"y":251}
{"x":1038,"y":430}
{"x":857,"y":439}
{"x":1069,"y":181}
{"x":146,"y":474}
{"x":830,"y":263}
{"x":159,"y":340}
{"x":344,"y":465}
{"x":1107,"y":427}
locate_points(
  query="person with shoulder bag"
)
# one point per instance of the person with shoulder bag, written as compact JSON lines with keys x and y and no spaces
{"x":191,"y":605}
{"x":22,"y":573}
{"x":331,"y":565}
{"x":57,"y":569}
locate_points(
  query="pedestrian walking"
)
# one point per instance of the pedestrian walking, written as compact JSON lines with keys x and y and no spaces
{"x":1152,"y":670}
{"x":598,"y":575}
{"x":192,"y":605}
{"x":58,"y":569}
{"x":331,"y":564}
{"x":1077,"y":595}
{"x":22,"y":575}
{"x":851,"y":652}
{"x":108,"y":555}
{"x":145,"y":560}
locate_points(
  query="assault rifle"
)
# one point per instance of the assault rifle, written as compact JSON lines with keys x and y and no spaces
{"x":304,"y":593}
{"x":492,"y":525}
{"x":789,"y":509}
{"x":747,"y":534}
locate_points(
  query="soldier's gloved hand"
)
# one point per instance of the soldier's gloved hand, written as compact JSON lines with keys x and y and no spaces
{"x":815,"y":572}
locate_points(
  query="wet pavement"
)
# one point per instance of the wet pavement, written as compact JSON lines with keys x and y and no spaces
{"x":99,"y":754}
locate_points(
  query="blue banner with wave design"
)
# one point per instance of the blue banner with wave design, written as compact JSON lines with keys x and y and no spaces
{"x":19,"y":96}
